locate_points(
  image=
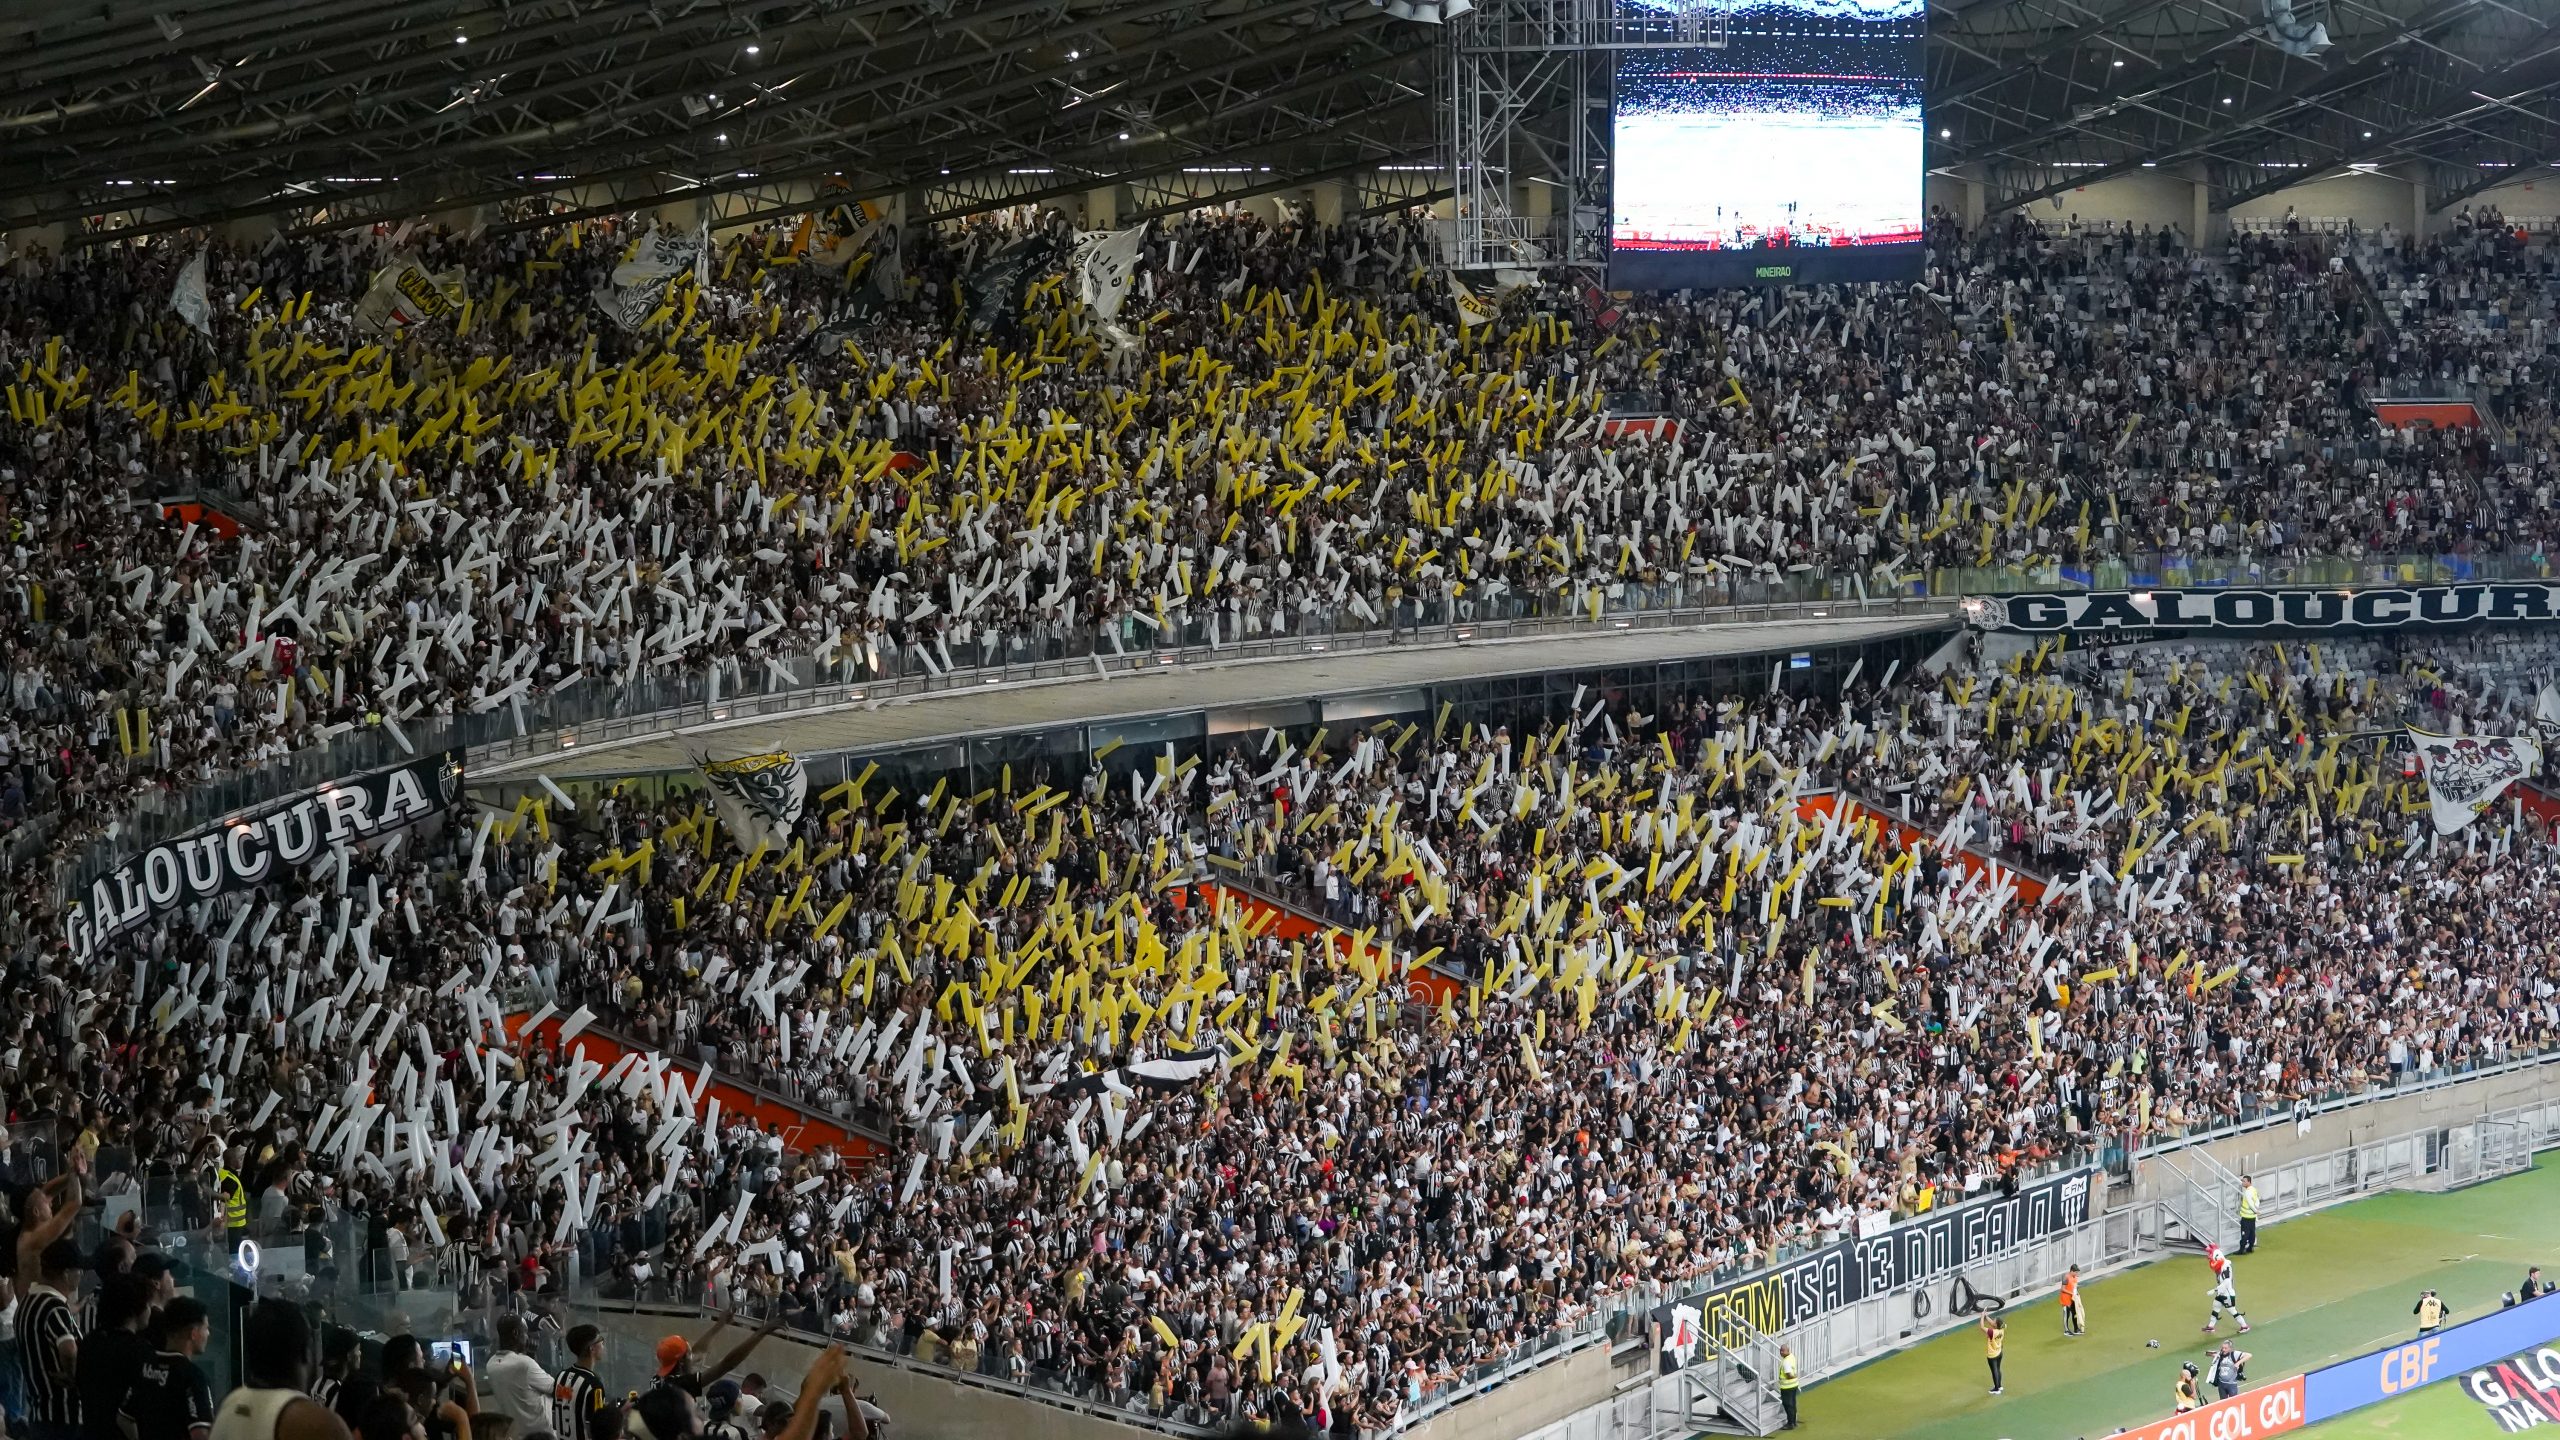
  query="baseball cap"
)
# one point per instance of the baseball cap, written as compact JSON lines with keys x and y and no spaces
{"x":722,"y":1397}
{"x":672,"y":1352}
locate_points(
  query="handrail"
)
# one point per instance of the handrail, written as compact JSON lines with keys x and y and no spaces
{"x":2348,"y":1100}
{"x":891,"y":1359}
{"x":712,"y":708}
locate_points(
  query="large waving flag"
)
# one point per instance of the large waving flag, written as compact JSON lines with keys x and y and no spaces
{"x":759,"y":797}
{"x":2467,"y":773}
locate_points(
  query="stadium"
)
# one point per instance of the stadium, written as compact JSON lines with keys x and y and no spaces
{"x":1520,"y":720}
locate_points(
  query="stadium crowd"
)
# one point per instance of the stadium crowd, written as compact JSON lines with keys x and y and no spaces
{"x":486,"y":511}
{"x":1696,"y":977}
{"x":1743,"y":1017}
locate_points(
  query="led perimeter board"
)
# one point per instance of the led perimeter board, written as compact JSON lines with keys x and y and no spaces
{"x":1792,"y":154}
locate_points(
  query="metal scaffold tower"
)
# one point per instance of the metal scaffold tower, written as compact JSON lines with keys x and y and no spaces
{"x":1527,"y":108}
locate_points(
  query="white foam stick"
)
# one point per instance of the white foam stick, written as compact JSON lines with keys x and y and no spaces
{"x":480,"y":840}
{"x":546,"y":1012}
{"x":603,"y":903}
{"x":915,"y":1180}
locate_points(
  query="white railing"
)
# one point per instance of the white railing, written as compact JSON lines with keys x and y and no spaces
{"x":1854,"y":1334}
{"x":2185,"y":1198}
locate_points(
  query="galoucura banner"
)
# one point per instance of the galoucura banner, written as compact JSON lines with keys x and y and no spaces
{"x":244,"y":850}
{"x":2116,"y":612}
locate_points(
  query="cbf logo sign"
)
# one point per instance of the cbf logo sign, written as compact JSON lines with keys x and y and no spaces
{"x":2268,"y":1410}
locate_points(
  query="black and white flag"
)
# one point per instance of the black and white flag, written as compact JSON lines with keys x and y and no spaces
{"x":759,"y":797}
{"x":640,"y":282}
{"x":1106,"y":261}
{"x":1178,"y":1073}
{"x":2467,"y":773}
{"x":189,"y":298}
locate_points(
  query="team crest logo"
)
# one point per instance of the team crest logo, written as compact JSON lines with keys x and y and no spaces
{"x":2472,"y":764}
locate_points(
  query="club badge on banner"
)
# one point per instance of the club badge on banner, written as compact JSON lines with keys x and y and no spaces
{"x":2467,"y":773}
{"x":759,"y":797}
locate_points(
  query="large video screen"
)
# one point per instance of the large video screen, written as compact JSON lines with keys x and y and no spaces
{"x":1790,"y":155}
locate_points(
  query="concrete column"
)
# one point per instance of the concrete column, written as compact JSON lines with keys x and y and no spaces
{"x":249,"y":233}
{"x":2420,"y":222}
{"x":1332,"y":201}
{"x":1102,"y":208}
{"x":20,"y":239}
{"x":2203,"y":222}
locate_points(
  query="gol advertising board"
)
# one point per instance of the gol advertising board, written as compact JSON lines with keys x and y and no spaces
{"x":2249,"y":1415}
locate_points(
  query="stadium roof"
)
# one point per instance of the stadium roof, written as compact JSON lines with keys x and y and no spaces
{"x":361,"y":109}
{"x":165,"y":113}
{"x":2047,"y":95}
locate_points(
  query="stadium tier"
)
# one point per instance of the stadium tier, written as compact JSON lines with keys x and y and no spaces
{"x":1318,"y":1075}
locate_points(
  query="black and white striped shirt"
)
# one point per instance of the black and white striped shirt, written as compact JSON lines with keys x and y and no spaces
{"x":578,"y":1403}
{"x":44,"y":1322}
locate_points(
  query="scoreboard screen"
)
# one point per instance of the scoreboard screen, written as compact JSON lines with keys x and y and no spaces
{"x":1791,"y":154}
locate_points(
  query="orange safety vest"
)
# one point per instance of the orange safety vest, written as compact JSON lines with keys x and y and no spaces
{"x":2070,"y":1290}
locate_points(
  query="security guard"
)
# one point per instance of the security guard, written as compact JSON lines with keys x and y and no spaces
{"x":2248,"y":1214}
{"x":235,"y":1200}
{"x":1787,"y":1378}
{"x":2430,"y":1313}
{"x":2074,"y":1319}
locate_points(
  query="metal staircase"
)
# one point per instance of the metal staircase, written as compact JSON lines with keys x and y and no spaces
{"x":1731,"y":1388}
{"x":2199,"y":1200}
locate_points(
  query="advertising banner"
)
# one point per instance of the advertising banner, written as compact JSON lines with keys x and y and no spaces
{"x":2385,"y":1374}
{"x":2249,"y":1415}
{"x":243,"y":850}
{"x":2124,"y":612}
{"x":1849,"y":1271}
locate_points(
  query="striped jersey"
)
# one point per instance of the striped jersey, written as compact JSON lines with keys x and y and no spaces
{"x":44,"y":1322}
{"x":578,"y":1405}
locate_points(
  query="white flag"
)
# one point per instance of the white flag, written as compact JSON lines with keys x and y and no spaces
{"x":2546,"y":706}
{"x":1104,"y":268}
{"x":2467,"y":773}
{"x":638,"y":283}
{"x":759,"y":797}
{"x":403,"y":294}
{"x":1473,"y":309}
{"x":188,"y":299}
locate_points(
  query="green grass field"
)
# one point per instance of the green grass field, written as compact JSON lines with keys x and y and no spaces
{"x":2319,"y":1289}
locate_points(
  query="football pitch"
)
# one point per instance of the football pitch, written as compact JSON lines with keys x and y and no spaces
{"x":2319,"y":1289}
